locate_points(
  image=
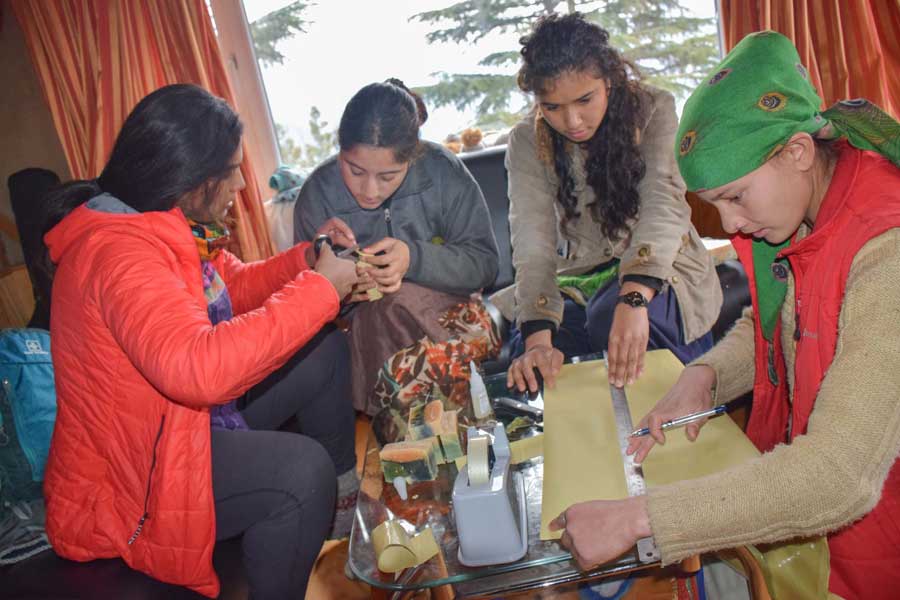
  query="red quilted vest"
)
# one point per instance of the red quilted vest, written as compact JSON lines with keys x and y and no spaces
{"x":862,"y":202}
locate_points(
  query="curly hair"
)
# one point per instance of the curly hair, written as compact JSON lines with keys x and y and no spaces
{"x":559,"y":45}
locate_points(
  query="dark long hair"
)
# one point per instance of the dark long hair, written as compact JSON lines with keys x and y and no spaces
{"x":385,"y":115}
{"x":178,"y":139}
{"x":570,"y":44}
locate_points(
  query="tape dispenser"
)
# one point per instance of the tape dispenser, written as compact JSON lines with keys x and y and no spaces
{"x":489,"y":502}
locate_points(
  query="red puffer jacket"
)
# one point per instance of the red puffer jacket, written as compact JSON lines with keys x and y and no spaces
{"x":138,"y":365}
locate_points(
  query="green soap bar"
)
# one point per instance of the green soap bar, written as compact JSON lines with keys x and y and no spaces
{"x":414,"y":461}
{"x":418,"y":428}
{"x":452,"y":447}
{"x":429,"y":420}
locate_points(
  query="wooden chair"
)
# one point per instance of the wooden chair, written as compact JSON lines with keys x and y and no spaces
{"x":16,"y":299}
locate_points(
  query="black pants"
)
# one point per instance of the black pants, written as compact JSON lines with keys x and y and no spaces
{"x":278,"y":488}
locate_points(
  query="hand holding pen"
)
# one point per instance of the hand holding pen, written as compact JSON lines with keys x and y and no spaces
{"x":688,"y":403}
{"x":682,"y":421}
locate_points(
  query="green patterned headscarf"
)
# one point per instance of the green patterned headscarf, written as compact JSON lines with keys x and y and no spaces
{"x":745,"y":111}
{"x":753,"y":102}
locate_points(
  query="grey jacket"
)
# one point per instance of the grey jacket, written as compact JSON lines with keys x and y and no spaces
{"x":438,"y":211}
{"x":663,"y":243}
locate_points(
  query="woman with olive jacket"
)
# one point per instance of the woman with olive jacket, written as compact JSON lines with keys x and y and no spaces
{"x":605,"y":254}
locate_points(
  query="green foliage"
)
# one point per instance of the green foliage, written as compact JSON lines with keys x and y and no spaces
{"x":278,"y":25}
{"x":498,"y":120}
{"x":472,"y":20}
{"x":325,"y":139}
{"x":291,"y":153}
{"x":309,"y":155}
{"x":672,"y":50}
{"x":491,"y":93}
{"x":500,"y":59}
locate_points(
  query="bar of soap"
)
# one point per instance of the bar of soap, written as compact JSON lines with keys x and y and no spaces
{"x":431,"y":420}
{"x":373,"y":293}
{"x":449,"y":437}
{"x":450,"y":445}
{"x":425,"y":420}
{"x":412,"y":460}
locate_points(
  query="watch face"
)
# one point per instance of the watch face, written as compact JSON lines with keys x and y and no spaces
{"x":635,"y":299}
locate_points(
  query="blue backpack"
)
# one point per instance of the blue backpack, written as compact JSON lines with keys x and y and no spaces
{"x":27,"y":414}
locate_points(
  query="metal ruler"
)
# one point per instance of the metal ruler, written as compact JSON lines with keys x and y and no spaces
{"x":634,"y":474}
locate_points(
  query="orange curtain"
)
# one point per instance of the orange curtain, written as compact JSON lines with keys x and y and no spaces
{"x":96,"y":59}
{"x":850,"y":47}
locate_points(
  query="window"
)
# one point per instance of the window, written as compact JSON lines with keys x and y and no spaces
{"x":461,"y":56}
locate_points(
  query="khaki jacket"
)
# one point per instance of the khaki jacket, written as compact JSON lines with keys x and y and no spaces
{"x":662,"y":244}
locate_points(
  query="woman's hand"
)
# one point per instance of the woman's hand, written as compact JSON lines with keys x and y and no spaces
{"x":339,"y":271}
{"x":691,"y":393}
{"x":628,"y":337}
{"x":539,"y":354}
{"x":601,"y":530}
{"x":364,"y":284}
{"x":339,"y":232}
{"x":391,"y":266}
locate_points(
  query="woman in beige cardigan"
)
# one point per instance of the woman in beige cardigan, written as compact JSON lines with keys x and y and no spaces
{"x":605,"y":254}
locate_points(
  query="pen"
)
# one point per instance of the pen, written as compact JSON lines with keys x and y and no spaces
{"x":713,"y":412}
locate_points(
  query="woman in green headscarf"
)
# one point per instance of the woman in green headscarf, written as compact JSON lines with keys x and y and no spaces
{"x":813,"y":200}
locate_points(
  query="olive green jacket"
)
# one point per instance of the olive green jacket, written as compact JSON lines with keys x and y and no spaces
{"x":662,"y":244}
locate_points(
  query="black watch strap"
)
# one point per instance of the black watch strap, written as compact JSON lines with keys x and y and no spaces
{"x":529,"y":327}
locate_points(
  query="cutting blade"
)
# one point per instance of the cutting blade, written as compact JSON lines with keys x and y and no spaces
{"x":351,"y":253}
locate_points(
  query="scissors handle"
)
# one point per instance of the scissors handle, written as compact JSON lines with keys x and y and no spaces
{"x":319,"y":241}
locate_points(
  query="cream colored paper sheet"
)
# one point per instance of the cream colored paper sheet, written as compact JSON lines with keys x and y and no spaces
{"x":582,"y":460}
{"x":581,"y":452}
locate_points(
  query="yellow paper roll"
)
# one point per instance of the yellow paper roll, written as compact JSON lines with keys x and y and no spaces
{"x":396,"y":551}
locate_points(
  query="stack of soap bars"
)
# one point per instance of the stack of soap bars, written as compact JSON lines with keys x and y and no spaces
{"x":432,"y":438}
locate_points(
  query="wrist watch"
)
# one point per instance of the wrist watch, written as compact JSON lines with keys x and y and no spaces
{"x":635,"y":299}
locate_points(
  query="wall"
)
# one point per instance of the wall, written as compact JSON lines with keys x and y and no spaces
{"x":27,"y":134}
{"x":705,"y":218}
{"x":236,"y":46}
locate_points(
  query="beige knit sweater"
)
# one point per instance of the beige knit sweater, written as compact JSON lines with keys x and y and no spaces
{"x":827,"y":478}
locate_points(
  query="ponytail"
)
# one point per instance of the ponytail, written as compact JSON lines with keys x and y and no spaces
{"x":63,"y":199}
{"x":421,"y":110}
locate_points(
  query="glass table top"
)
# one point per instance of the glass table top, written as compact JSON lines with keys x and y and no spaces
{"x":429,"y":503}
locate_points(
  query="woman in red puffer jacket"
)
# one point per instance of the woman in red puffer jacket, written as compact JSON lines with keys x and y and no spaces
{"x":176,"y":362}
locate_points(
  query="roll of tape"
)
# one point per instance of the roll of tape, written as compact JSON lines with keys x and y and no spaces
{"x":520,"y":451}
{"x":478,"y":460}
